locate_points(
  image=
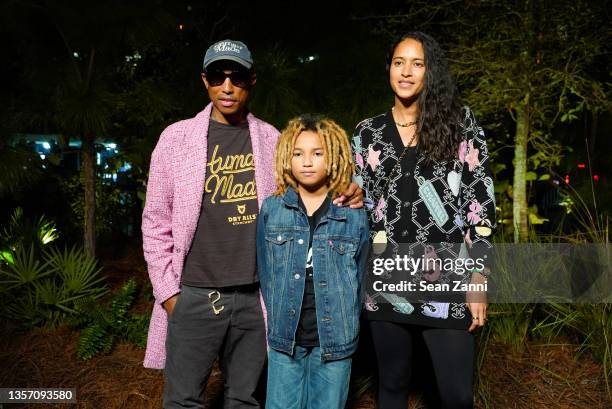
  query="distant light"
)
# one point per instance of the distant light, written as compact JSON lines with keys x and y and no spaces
{"x":308,"y":58}
{"x":98,"y":158}
{"x":111,"y":146}
{"x":180,"y":27}
{"x":581,"y":166}
{"x":567,"y":180}
{"x":75,"y":54}
{"x":42,"y":156}
{"x":46,"y":145}
{"x":596,"y":178}
{"x":135,"y":58}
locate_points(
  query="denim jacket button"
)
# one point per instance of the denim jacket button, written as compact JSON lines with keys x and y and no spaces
{"x":297,"y":276}
{"x":279,"y":238}
{"x":292,"y":312}
{"x":301,"y":241}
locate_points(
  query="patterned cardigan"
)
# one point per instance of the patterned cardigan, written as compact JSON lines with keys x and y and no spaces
{"x":172,"y":208}
{"x":454,"y":197}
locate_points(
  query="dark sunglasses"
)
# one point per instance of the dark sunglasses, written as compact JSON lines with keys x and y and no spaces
{"x":240,"y":79}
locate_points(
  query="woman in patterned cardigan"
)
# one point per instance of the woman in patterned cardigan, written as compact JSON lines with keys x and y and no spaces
{"x":424,"y":168}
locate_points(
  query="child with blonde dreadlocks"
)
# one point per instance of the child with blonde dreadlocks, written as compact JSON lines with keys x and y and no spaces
{"x":311,"y":256}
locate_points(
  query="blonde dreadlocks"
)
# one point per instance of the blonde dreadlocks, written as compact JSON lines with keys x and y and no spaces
{"x":336,"y":148}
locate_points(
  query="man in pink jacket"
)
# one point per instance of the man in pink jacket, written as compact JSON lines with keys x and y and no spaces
{"x":208,"y":177}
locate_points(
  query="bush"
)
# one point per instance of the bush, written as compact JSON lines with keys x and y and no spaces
{"x":44,"y":291}
{"x":102,"y":326}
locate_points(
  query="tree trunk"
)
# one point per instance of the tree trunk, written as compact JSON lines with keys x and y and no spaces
{"x":519,"y":188}
{"x":89,"y":173}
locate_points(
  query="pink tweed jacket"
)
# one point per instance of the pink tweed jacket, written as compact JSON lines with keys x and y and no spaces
{"x":172,"y":208}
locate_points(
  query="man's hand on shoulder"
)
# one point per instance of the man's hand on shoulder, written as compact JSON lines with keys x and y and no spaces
{"x":352,"y":196}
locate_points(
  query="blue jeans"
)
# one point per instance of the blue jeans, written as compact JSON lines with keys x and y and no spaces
{"x":303,"y":381}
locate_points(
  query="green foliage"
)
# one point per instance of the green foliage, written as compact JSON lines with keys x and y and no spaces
{"x":94,"y":339}
{"x":43,"y":290}
{"x":23,"y":269}
{"x":44,"y":286}
{"x":79,"y":273}
{"x":589,"y":225}
{"x":104,"y":325}
{"x":112,"y":204}
{"x":510,"y":323}
{"x":21,"y":230}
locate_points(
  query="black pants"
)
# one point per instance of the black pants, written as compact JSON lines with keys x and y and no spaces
{"x":197,"y":336}
{"x":452,"y":355}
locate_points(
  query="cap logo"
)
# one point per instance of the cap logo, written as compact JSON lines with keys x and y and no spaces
{"x":227,"y":46}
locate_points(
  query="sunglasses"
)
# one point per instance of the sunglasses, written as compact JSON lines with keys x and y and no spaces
{"x":240,"y":79}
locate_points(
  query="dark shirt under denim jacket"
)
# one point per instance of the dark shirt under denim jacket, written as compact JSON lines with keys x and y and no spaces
{"x":340,"y":246}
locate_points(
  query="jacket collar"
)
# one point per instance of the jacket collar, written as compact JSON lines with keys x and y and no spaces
{"x":334,"y":212}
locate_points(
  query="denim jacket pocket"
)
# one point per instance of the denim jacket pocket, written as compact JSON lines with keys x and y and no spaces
{"x":342,"y":246}
{"x":343,"y":258}
{"x":278,"y":248}
{"x":279,"y":238}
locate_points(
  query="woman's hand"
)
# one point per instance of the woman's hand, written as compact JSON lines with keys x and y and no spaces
{"x":352,"y":196}
{"x":477,"y":303}
{"x":479,"y":314}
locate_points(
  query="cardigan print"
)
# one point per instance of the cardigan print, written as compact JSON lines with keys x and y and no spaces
{"x":451,"y":199}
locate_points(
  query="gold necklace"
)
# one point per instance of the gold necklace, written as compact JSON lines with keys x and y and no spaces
{"x":405,"y":125}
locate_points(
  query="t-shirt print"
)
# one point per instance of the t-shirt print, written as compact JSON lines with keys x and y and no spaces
{"x":231,"y":179}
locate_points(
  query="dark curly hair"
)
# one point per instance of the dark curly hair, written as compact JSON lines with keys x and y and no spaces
{"x":439,"y":103}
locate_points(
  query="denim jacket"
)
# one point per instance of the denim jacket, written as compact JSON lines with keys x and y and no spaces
{"x":340,"y":248}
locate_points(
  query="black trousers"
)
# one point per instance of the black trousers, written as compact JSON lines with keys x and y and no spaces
{"x":452,"y":355}
{"x":197,"y":336}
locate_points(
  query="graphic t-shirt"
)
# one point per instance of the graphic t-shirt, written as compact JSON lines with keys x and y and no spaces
{"x":307,"y":334}
{"x":223,"y":249}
